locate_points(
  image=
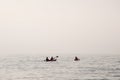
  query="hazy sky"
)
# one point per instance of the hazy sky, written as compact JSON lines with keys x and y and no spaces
{"x":59,"y":26}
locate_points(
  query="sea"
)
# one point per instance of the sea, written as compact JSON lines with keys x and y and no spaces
{"x":65,"y":68}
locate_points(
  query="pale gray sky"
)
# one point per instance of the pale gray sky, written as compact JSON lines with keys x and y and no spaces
{"x":59,"y":26}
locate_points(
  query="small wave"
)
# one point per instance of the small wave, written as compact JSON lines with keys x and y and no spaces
{"x":116,"y":75}
{"x":118,"y":61}
{"x":117,"y":69}
{"x":97,"y":79}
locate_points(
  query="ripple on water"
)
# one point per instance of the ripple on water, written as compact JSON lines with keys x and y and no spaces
{"x":34,"y":69}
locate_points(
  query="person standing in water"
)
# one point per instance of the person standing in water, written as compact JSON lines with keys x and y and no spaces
{"x":76,"y":58}
{"x":52,"y":59}
{"x":47,"y":59}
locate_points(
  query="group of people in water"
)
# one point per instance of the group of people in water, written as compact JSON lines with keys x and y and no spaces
{"x":51,"y":59}
{"x":55,"y":58}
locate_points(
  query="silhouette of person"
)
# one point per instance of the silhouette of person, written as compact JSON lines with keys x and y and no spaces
{"x":52,"y":59}
{"x":47,"y":59}
{"x":76,"y":58}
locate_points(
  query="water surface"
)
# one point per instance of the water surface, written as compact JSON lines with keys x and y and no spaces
{"x":34,"y":68}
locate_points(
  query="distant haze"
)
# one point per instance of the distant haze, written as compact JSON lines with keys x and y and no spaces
{"x":59,"y":27}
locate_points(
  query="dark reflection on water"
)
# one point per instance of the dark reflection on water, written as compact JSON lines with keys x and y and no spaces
{"x":34,"y":68}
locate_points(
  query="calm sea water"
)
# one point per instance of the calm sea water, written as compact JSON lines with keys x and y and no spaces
{"x":34,"y":68}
